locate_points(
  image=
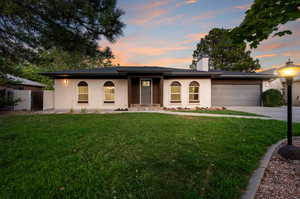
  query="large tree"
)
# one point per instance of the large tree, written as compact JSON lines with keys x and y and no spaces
{"x":30,"y":27}
{"x":264,"y":18}
{"x":223,"y":53}
{"x":56,"y":59}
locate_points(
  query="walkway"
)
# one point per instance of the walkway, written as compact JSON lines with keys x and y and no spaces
{"x":277,"y":113}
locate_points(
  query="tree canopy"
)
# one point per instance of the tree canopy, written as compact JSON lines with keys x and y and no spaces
{"x":224,"y":53}
{"x":30,"y":27}
{"x":264,"y":18}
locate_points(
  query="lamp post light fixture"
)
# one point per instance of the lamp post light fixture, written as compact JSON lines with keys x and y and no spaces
{"x":289,"y":71}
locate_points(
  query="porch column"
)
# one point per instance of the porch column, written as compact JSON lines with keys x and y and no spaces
{"x":129,"y":92}
{"x":161,"y":91}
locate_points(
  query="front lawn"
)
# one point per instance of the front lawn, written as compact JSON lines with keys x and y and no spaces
{"x":131,"y":155}
{"x":223,"y":112}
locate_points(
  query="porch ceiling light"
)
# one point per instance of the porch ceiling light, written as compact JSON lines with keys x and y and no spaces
{"x":65,"y":81}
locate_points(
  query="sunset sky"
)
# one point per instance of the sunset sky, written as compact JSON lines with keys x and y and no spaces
{"x":165,"y":32}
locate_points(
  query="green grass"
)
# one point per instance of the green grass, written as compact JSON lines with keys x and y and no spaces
{"x":225,"y":112}
{"x":131,"y":155}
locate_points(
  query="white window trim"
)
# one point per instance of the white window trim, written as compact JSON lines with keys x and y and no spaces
{"x":175,"y":101}
{"x":194,"y":93}
{"x":77,"y":89}
{"x":109,"y":101}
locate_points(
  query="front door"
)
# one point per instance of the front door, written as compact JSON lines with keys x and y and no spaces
{"x":146,"y":91}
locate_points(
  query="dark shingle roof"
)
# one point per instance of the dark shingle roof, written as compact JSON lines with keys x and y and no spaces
{"x":124,"y":71}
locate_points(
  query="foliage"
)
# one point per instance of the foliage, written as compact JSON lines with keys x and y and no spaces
{"x":272,"y":98}
{"x":224,"y":53}
{"x":131,"y":155}
{"x":6,"y":100}
{"x":263,"y":18}
{"x":223,"y":112}
{"x":32,"y":72}
{"x":56,"y":59}
{"x":4,"y":80}
{"x":29,"y":27}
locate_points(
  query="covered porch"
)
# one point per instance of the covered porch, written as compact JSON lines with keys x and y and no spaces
{"x":145,"y":91}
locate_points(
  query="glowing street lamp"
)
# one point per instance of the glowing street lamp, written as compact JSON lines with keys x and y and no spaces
{"x":289,"y":71}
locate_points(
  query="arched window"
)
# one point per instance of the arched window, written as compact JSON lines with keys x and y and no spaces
{"x":194,"y":92}
{"x":175,"y":92}
{"x":109,"y":92}
{"x":83,"y":92}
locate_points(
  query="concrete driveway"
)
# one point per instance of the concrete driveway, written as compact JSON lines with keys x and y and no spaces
{"x":278,"y":113}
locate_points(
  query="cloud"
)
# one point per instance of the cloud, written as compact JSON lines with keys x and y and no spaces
{"x":148,"y":16}
{"x":155,"y":4}
{"x":275,"y":45}
{"x":243,"y":7}
{"x":140,"y":50}
{"x":181,"y":62}
{"x":186,"y":2}
{"x":196,"y":36}
{"x":292,"y":54}
{"x":168,"y":20}
{"x":154,"y":51}
{"x":193,"y":37}
{"x":265,"y":55}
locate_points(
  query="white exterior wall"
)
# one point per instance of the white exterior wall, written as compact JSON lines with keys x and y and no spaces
{"x":48,"y":100}
{"x":296,"y":93}
{"x":25,"y":103}
{"x":66,"y":95}
{"x":204,"y":93}
{"x":272,"y":84}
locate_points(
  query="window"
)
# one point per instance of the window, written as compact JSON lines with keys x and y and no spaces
{"x":194,"y":92}
{"x":83,"y":95}
{"x":175,"y":92}
{"x":109,"y":92}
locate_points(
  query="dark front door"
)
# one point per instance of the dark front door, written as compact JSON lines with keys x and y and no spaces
{"x":146,"y":91}
{"x":36,"y":100}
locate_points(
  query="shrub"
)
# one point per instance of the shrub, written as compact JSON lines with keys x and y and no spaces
{"x":8,"y":101}
{"x":272,"y":98}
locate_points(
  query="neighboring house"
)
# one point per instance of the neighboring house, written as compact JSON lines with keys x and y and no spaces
{"x":295,"y":90}
{"x":128,"y":86}
{"x":29,"y":92}
{"x":274,"y":83}
{"x":279,"y":84}
{"x":23,"y":84}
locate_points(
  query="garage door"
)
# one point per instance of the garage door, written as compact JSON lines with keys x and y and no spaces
{"x":235,"y":95}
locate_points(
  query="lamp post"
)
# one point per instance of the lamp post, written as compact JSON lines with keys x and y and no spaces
{"x":289,"y":71}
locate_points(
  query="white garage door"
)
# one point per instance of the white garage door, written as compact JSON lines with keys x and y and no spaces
{"x":236,"y":95}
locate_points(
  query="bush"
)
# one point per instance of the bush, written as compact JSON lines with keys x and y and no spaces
{"x":272,"y":98}
{"x":8,"y":101}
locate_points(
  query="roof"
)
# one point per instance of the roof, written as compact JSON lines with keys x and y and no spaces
{"x":124,"y":71}
{"x":245,"y":75}
{"x":23,"y":81}
{"x":272,"y":71}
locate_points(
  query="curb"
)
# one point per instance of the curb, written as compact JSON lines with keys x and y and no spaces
{"x":258,"y":174}
{"x":204,"y":114}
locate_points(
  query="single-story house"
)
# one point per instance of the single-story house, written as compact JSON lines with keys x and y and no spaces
{"x":19,"y":83}
{"x":134,"y":86}
{"x":29,"y":92}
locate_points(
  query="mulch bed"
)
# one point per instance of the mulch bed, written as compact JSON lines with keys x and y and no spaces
{"x":281,"y":178}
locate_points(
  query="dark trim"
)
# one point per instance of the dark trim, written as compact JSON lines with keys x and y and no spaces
{"x":161,"y":92}
{"x":82,"y":102}
{"x":109,"y":102}
{"x":194,"y":102}
{"x":236,"y":81}
{"x":129,"y":88}
{"x":176,"y":102}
